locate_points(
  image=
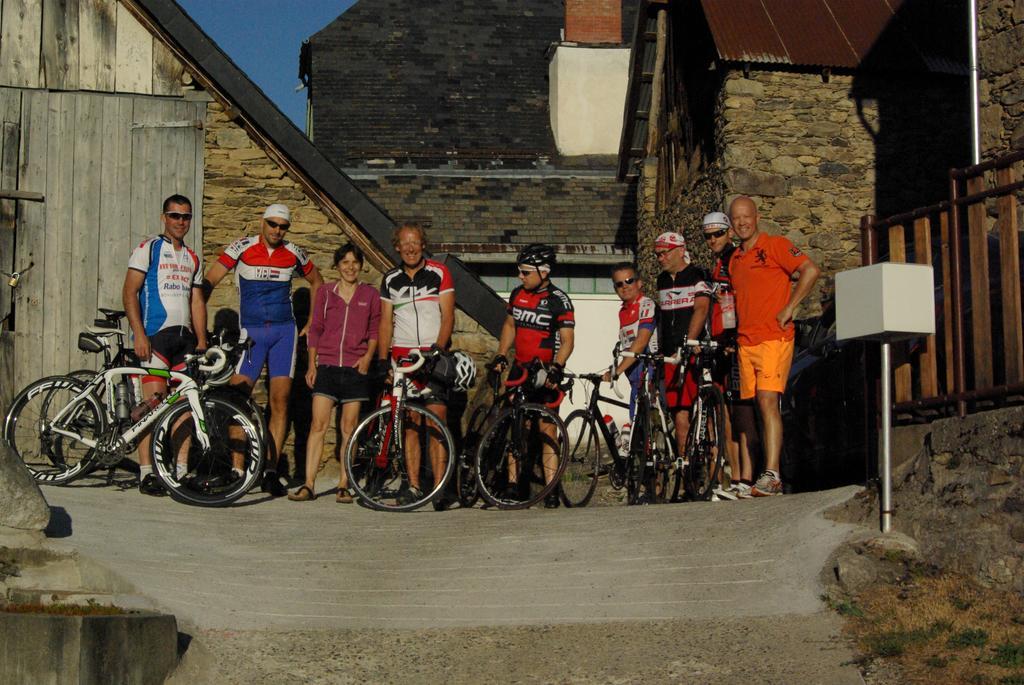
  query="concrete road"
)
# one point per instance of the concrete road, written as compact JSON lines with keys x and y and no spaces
{"x":275,"y":565}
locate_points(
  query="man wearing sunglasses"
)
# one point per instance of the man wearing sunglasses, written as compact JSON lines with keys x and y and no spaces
{"x":762,"y":270}
{"x":264,"y":267}
{"x":541,"y":326}
{"x":638,"y":321}
{"x":164,"y":304}
{"x":741,"y":429}
{"x":684,"y":299}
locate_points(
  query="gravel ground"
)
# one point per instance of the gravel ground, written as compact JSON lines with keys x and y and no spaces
{"x":782,"y":649}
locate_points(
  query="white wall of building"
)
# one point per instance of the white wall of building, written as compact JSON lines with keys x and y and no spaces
{"x":587,"y":97}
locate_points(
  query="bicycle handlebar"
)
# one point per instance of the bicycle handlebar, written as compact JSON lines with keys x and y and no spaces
{"x":419,"y":360}
{"x":220,"y":360}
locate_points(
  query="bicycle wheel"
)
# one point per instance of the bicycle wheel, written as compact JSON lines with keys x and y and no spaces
{"x":379,"y":462}
{"x":585,"y":441}
{"x":637,"y":472}
{"x":705,"y":444}
{"x":209,"y":479}
{"x":510,"y":468}
{"x":53,"y":458}
{"x":465,"y":469}
{"x":661,"y":456}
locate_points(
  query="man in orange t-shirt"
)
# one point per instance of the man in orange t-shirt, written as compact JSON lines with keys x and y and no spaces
{"x":762,"y":269}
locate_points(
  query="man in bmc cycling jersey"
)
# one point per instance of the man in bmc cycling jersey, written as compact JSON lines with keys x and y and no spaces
{"x":417,"y":312}
{"x":164,"y":305}
{"x":638,"y":322}
{"x":684,"y":300}
{"x":766,"y":299}
{"x":540,"y":324}
{"x":264,"y":267}
{"x":741,"y":429}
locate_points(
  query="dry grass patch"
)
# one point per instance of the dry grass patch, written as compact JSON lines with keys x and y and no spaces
{"x":940,"y":628}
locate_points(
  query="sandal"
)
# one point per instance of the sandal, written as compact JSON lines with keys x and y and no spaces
{"x":344,"y":496}
{"x":303,"y":494}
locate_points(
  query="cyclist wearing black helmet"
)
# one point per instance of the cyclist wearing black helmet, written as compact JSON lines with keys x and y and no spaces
{"x":540,"y":326}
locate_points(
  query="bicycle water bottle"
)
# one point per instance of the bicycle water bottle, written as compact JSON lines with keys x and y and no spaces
{"x":122,"y":400}
{"x":609,"y":423}
{"x":146,"y":406}
{"x":727,"y":301}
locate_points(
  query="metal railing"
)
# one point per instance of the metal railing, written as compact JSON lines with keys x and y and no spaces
{"x":976,"y":358}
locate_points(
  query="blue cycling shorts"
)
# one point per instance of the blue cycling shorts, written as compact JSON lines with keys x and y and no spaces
{"x":274,"y":345}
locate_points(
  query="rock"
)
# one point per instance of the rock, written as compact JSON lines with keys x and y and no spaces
{"x":1000,"y":53}
{"x":833,"y":169}
{"x":744,"y":86}
{"x":1013,"y":96}
{"x":1017,"y":137}
{"x":785,"y":208}
{"x":999,"y":477}
{"x":22,"y":505}
{"x":824,"y":129}
{"x":233,"y":137}
{"x":748,"y":182}
{"x":787,"y":166}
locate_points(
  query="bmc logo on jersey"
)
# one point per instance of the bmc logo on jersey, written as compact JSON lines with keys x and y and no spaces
{"x":531,"y":318}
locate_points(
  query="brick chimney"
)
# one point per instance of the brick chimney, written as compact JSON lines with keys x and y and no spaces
{"x":593,"y":21}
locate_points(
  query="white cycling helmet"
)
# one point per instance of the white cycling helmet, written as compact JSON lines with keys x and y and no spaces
{"x":465,"y":370}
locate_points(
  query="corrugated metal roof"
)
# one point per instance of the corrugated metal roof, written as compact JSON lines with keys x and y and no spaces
{"x":827,"y":33}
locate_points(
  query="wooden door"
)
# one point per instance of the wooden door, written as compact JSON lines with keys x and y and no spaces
{"x":104,"y":164}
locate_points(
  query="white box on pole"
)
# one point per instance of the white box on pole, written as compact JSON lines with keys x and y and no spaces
{"x":885,"y":302}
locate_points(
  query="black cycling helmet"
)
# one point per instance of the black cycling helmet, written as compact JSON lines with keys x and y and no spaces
{"x":537,"y":254}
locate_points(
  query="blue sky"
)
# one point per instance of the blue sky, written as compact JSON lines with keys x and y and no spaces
{"x":263,"y":37}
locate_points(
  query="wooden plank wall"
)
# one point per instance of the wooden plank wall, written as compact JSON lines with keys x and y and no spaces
{"x":10,"y":128}
{"x":105,"y":179}
{"x":92,"y":45}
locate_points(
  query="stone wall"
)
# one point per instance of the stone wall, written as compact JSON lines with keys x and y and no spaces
{"x":240,"y":180}
{"x":1001,"y":64}
{"x":817,"y":154}
{"x":961,"y":497}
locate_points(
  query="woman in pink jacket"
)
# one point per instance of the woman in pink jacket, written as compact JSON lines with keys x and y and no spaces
{"x":342,"y":340}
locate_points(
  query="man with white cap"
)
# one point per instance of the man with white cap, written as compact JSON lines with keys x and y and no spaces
{"x":264,"y":267}
{"x":684,"y":299}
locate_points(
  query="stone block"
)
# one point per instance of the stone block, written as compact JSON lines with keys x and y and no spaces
{"x":1000,"y":53}
{"x":22,"y":505}
{"x":233,"y":138}
{"x":744,"y":86}
{"x":746,"y":182}
{"x":824,"y":129}
{"x":1017,"y":137}
{"x":786,"y":208}
{"x":787,"y":166}
{"x":263,"y":171}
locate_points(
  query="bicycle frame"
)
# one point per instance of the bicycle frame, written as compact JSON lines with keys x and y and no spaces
{"x":109,"y":378}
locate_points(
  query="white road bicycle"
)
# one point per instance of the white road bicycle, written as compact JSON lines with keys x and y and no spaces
{"x":207,"y":448}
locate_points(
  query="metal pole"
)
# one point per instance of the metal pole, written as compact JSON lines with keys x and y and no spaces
{"x":885,"y":463}
{"x":972,"y":32}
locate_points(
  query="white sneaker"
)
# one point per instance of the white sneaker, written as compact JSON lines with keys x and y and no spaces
{"x":722,"y":493}
{"x":741,"y":490}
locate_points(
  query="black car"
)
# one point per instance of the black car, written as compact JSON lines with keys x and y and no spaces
{"x":828,"y":436}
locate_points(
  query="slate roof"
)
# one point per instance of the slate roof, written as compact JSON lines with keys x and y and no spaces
{"x":419,"y":81}
{"x":511,"y":211}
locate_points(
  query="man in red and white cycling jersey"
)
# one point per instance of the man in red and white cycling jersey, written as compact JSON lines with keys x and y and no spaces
{"x":417,"y":312}
{"x":264,"y":267}
{"x":540,"y":324}
{"x":164,"y":305}
{"x":684,"y":299}
{"x":741,"y":429}
{"x":638,"y":324}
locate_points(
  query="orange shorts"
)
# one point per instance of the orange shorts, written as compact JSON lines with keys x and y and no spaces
{"x":764,"y":366}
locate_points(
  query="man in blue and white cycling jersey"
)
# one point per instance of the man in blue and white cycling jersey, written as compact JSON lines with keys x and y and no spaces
{"x":264,"y":267}
{"x":165,"y":308}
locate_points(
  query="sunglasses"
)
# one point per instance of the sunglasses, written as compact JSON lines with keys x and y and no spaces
{"x":274,"y":224}
{"x":662,"y":253}
{"x":716,"y":234}
{"x":624,"y":283}
{"x":178,"y":216}
{"x":524,"y":272}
